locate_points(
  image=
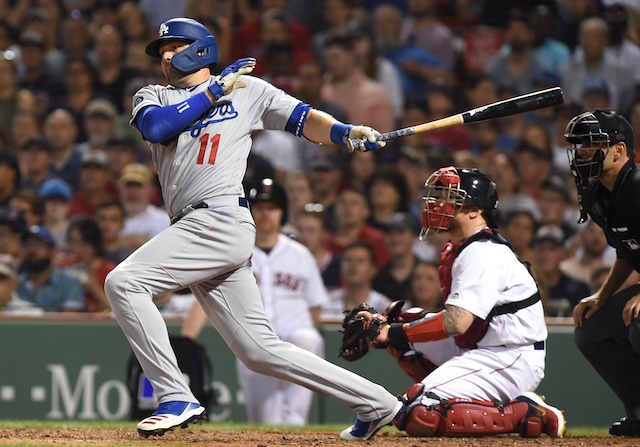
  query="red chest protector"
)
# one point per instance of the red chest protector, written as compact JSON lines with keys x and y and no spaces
{"x":478,"y":328}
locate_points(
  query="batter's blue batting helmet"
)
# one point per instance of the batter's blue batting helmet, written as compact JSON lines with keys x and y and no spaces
{"x":202,"y":52}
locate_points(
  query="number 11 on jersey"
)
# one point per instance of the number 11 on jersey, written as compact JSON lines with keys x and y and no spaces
{"x":208,"y":144}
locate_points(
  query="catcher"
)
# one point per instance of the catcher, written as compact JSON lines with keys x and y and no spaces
{"x":477,"y":361}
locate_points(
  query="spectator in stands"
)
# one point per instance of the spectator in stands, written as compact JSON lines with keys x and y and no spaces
{"x":313,"y":232}
{"x":351,"y":213}
{"x":121,"y":150}
{"x":109,"y":217}
{"x":45,"y":87}
{"x":621,"y":47}
{"x":393,"y":280}
{"x":564,"y":292}
{"x":85,"y":260}
{"x":484,"y":143}
{"x":44,"y":19}
{"x":79,"y":76}
{"x":413,"y":166}
{"x":388,"y":194}
{"x":571,"y":15}
{"x":376,"y":66}
{"x":337,"y":16}
{"x":591,"y":253}
{"x":362,"y":167}
{"x":143,"y":220}
{"x":10,"y":301}
{"x":249,"y":36}
{"x":533,"y":168}
{"x":12,"y":98}
{"x":517,"y":65}
{"x":35,"y":160}
{"x":56,"y":196}
{"x":75,"y":40}
{"x":99,"y":121}
{"x":552,"y":52}
{"x":41,"y":282}
{"x":479,"y":90}
{"x":553,"y":202}
{"x":364,"y":99}
{"x":31,"y":205}
{"x":13,"y":229}
{"x":24,"y":127}
{"x":95,"y":185}
{"x":592,"y":61}
{"x":60,"y":130}
{"x":299,"y":193}
{"x":425,"y":287}
{"x":112,"y":74}
{"x":423,"y":28}
{"x":419,"y":69}
{"x":358,"y":267}
{"x":441,"y":104}
{"x":9,"y":177}
{"x":326,"y":176}
{"x":595,"y":95}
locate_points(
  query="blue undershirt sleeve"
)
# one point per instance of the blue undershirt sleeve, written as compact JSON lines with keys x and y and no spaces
{"x":158,"y":124}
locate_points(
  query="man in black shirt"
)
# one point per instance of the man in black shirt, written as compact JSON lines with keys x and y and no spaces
{"x":607,"y":331}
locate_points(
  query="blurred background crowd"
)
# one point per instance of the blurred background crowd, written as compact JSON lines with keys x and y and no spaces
{"x":78,"y":192}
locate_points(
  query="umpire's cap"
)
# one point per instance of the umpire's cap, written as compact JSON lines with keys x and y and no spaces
{"x":269,"y":191}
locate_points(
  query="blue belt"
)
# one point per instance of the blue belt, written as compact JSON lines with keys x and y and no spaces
{"x":242,"y":201}
{"x":538,"y":346}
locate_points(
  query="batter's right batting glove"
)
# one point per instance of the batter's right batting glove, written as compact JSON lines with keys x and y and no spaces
{"x":356,"y":138}
{"x":228,"y":81}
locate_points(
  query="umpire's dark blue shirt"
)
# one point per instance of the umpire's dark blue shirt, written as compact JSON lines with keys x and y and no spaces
{"x":618,"y":212}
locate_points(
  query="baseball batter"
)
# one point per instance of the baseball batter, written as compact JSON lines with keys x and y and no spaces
{"x":484,"y":354}
{"x":198,"y":130}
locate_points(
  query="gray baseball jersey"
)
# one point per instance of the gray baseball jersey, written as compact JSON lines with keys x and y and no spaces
{"x":209,"y":251}
{"x":209,"y":158}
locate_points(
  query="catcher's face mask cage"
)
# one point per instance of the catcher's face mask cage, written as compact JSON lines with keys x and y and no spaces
{"x":444,"y":197}
{"x":589,"y":146}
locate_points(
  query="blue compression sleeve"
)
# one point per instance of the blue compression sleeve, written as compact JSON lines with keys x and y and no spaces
{"x":157,"y":124}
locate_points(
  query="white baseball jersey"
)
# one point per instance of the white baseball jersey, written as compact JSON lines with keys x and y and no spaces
{"x":209,"y":158}
{"x":290,"y":284}
{"x":510,"y":358}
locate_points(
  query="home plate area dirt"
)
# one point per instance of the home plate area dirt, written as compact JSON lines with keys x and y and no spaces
{"x":233,"y":438}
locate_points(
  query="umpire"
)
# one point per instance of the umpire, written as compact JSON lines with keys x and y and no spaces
{"x":601,"y":157}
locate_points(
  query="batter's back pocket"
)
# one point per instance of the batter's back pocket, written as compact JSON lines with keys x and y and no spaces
{"x":195,"y":365}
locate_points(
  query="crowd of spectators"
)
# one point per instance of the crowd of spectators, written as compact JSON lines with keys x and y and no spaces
{"x":78,"y":192}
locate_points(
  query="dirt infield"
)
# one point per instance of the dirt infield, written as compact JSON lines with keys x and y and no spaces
{"x":232,"y":438}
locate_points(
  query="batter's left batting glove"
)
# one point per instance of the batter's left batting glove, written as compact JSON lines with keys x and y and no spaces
{"x":356,"y":138}
{"x":228,"y":81}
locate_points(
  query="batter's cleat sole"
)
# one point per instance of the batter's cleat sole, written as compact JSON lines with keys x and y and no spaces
{"x":555,"y":425}
{"x":625,"y":427}
{"x":362,"y":431}
{"x":170,"y":415}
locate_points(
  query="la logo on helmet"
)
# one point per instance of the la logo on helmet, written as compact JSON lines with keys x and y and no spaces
{"x":164,"y":29}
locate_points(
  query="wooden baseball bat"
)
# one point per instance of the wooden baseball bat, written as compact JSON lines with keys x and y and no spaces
{"x":512,"y":106}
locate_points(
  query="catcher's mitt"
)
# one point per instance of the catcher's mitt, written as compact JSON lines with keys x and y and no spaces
{"x":355,"y":337}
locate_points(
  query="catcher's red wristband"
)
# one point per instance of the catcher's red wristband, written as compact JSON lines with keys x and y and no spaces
{"x":427,"y":329}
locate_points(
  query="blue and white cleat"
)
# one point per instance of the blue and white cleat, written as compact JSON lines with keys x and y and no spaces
{"x":170,"y":415}
{"x":363,"y":431}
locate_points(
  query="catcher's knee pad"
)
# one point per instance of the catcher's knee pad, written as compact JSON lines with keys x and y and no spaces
{"x":466,"y":417}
